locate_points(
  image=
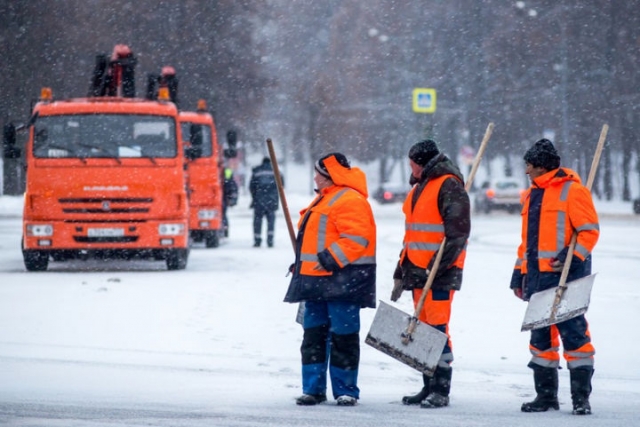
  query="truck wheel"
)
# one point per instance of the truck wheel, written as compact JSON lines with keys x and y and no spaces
{"x":177,"y":259}
{"x":212,"y":240}
{"x":35,"y":260}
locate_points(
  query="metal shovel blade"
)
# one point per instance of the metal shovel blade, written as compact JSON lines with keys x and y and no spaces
{"x":421,"y":353}
{"x":574,"y":302}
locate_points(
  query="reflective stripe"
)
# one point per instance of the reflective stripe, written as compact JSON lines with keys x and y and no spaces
{"x":587,"y":227}
{"x":309,"y":257}
{"x":418,"y":226}
{"x":420,"y":246}
{"x":263,"y":173}
{"x":580,"y":354}
{"x":337,"y":196}
{"x":572,"y":364}
{"x":536,"y":353}
{"x":561,"y":228}
{"x":358,"y":239}
{"x":564,"y":194}
{"x":547,"y":254}
{"x":337,"y":250}
{"x":519,"y":262}
{"x":545,"y":363}
{"x":582,"y":250}
{"x":322,"y":232}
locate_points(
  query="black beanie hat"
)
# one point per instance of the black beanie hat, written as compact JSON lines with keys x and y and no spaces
{"x":422,"y":152}
{"x":322,"y":169}
{"x":543,"y":155}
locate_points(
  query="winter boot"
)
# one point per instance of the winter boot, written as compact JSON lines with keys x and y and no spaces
{"x":345,"y":400}
{"x":440,"y":388}
{"x":422,"y":394}
{"x":546,"y":383}
{"x":257,"y":242}
{"x":581,"y":389}
{"x":311,"y":399}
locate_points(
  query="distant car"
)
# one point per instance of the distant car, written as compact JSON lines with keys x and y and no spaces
{"x":391,"y":193}
{"x":501,"y":194}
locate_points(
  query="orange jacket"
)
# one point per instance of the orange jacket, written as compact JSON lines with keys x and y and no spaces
{"x":424,"y":226}
{"x":556,"y":205}
{"x":336,"y":244}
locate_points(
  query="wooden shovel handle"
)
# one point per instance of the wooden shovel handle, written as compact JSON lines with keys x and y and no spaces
{"x":562,"y":285}
{"x":406,"y":337}
{"x":283,"y":199}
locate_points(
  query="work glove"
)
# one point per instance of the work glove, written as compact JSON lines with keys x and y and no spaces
{"x":518,"y":293}
{"x":397,"y":290}
{"x":518,"y":284}
{"x":397,"y":283}
{"x":557,"y":263}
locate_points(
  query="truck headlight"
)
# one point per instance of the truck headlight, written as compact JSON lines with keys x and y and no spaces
{"x":39,"y":230}
{"x":170,"y":229}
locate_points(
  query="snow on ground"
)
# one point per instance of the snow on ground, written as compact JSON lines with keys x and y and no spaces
{"x":94,"y":343}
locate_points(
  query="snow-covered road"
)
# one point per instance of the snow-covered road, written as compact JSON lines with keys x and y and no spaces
{"x":95,"y":343}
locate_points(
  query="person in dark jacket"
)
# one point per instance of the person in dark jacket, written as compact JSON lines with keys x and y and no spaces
{"x":335,"y":275}
{"x":555,"y":207}
{"x":229,"y":197}
{"x":264,"y":193}
{"x":436,"y":207}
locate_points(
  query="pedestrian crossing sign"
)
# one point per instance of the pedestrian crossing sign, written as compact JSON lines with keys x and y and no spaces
{"x":424,"y":100}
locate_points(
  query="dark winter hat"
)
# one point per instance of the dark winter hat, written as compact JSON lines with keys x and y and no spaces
{"x":423,"y":151}
{"x":341,"y":158}
{"x":543,"y":155}
{"x":266,"y":160}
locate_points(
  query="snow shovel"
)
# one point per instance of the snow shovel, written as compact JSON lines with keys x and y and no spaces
{"x":404,"y":337}
{"x":287,"y":216}
{"x":567,"y":300}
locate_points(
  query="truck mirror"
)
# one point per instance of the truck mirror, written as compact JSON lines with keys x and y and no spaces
{"x":10,"y":151}
{"x":232,"y":140}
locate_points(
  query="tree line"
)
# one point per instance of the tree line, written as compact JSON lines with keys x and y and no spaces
{"x":338,"y":74}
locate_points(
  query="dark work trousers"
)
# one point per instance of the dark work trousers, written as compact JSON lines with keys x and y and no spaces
{"x":331,"y":334}
{"x":576,"y":342}
{"x":258,"y":213}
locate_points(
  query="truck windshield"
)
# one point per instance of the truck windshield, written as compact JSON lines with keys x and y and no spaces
{"x":104,"y":136}
{"x":188,"y":128}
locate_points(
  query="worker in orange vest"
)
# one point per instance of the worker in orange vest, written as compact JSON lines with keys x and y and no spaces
{"x":554,"y":207}
{"x":436,"y":207}
{"x":334,"y":274}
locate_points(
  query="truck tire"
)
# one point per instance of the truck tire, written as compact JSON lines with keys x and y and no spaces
{"x":35,"y":260}
{"x":212,"y":240}
{"x":177,"y":259}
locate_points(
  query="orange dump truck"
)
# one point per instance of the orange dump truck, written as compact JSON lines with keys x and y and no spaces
{"x":105,"y":178}
{"x":204,"y":184}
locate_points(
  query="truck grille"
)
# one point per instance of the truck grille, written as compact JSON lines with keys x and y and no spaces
{"x":116,"y":205}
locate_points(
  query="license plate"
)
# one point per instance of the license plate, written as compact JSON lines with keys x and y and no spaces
{"x":105,"y":232}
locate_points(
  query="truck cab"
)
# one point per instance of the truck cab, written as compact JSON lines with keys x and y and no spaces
{"x":204,"y":180}
{"x":105,"y":178}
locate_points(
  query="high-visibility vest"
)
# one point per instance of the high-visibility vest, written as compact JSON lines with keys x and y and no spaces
{"x":424,"y":226}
